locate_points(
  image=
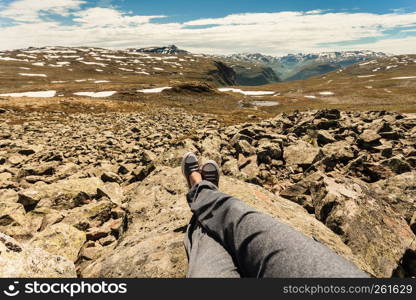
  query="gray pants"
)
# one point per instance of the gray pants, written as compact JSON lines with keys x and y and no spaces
{"x":227,"y":238}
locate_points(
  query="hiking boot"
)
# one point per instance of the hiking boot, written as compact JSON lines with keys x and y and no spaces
{"x":211,"y":172}
{"x":190,"y":164}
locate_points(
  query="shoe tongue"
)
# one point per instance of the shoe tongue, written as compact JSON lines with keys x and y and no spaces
{"x":209,"y":168}
{"x":191,"y":160}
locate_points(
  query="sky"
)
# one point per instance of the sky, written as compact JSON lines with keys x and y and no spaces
{"x":214,"y":27}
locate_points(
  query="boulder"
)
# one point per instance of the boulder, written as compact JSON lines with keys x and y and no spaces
{"x":301,"y":153}
{"x":324,"y":137}
{"x":13,"y":219}
{"x":399,"y":192}
{"x":110,"y":177}
{"x":5,"y":176}
{"x":413,"y":223}
{"x":244,"y":147}
{"x":397,"y":164}
{"x":64,"y":194}
{"x":268,"y":151}
{"x":90,"y":215}
{"x":8,"y":195}
{"x":60,"y":239}
{"x":248,"y":168}
{"x":368,"y":225}
{"x":331,"y":114}
{"x":341,"y":151}
{"x":369,"y":139}
{"x":23,"y":261}
{"x":113,"y":191}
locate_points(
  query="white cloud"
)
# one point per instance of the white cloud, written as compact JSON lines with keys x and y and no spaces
{"x":98,"y":16}
{"x":271,"y":33}
{"x":31,"y":10}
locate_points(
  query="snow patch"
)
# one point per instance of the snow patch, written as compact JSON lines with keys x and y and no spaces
{"x":365,"y":76}
{"x":96,"y":95}
{"x":41,"y":94}
{"x":247,"y":93}
{"x":405,"y":77}
{"x":33,"y":75}
{"x":11,"y":59}
{"x":326,"y":93}
{"x":156,"y":90}
{"x":93,"y":63}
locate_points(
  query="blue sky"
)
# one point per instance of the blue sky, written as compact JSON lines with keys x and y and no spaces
{"x":185,"y":10}
{"x":221,"y":27}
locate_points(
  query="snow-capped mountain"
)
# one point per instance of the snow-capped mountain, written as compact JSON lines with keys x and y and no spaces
{"x":292,"y":66}
{"x":172,"y":49}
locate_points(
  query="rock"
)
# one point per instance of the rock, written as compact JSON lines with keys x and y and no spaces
{"x":91,"y":251}
{"x":413,"y":223}
{"x":113,"y":191}
{"x":140,"y":173}
{"x":29,"y":198}
{"x":118,"y":213}
{"x":394,"y":135}
{"x":301,"y":153}
{"x":46,"y":217}
{"x":96,"y":233}
{"x":46,"y":169}
{"x":68,"y":193}
{"x":249,"y":168}
{"x":397,"y":164}
{"x":60,"y":239}
{"x":90,"y":215}
{"x":29,"y":150}
{"x":244,"y":147}
{"x":110,"y":177}
{"x":107,"y":240}
{"x":299,"y":192}
{"x":3,"y":111}
{"x":324,"y":137}
{"x":368,"y":226}
{"x":13,"y":220}
{"x":398,"y":192}
{"x":331,"y":114}
{"x":9,"y":196}
{"x":116,"y":226}
{"x":210,"y":148}
{"x":327,"y":124}
{"x":369,"y":139}
{"x":5,"y":176}
{"x":341,"y":151}
{"x":16,"y":159}
{"x":18,"y":261}
{"x":230,"y":167}
{"x":267,"y":151}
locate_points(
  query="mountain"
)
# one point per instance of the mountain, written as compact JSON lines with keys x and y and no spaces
{"x":313,"y":70}
{"x":172,"y":49}
{"x":252,"y":75}
{"x":306,"y":65}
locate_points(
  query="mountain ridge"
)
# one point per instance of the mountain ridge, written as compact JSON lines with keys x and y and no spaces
{"x":287,"y":67}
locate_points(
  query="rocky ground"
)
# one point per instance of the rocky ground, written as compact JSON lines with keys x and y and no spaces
{"x":101,"y":194}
